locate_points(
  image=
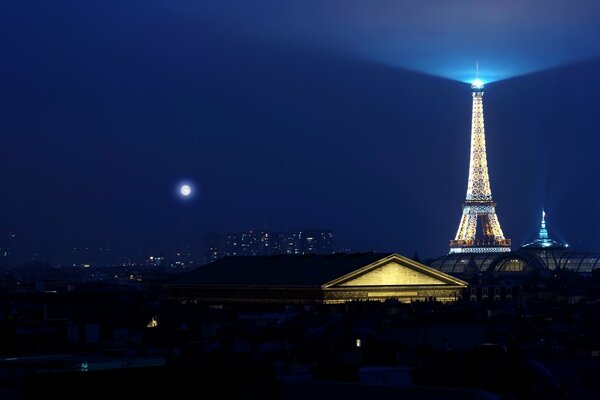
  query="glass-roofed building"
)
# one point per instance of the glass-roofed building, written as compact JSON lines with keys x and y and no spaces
{"x":542,"y":253}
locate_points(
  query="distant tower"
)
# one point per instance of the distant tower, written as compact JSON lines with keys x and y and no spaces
{"x":543,"y":239}
{"x":543,"y":233}
{"x":478,"y":204}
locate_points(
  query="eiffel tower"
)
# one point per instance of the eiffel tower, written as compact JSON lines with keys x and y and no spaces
{"x":478,"y":205}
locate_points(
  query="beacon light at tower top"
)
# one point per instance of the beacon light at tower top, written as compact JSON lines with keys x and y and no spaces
{"x":477,"y":84}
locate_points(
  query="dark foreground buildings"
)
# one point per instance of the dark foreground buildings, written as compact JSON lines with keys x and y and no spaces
{"x":63,"y":336}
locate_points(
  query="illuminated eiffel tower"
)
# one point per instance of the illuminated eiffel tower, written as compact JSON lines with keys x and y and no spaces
{"x":478,"y":205}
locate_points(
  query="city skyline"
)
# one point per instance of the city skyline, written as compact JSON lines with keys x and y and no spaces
{"x":212,"y":246}
{"x":99,"y":128}
{"x":262,"y":199}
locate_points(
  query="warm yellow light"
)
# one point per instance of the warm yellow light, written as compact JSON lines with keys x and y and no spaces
{"x":153,"y":323}
{"x":393,"y":274}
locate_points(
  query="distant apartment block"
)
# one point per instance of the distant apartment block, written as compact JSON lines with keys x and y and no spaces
{"x":265,"y":243}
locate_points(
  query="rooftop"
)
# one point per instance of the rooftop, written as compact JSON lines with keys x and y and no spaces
{"x":282,"y":270}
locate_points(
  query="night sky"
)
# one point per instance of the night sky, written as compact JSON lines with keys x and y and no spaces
{"x":347,"y":115}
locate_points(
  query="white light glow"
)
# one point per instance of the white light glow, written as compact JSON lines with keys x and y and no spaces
{"x":477,"y":84}
{"x":185,"y":190}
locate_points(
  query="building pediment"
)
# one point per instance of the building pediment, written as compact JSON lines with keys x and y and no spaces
{"x":395,"y":270}
{"x":327,"y":279}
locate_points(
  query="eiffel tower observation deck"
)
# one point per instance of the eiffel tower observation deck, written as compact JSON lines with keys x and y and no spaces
{"x":479,"y":208}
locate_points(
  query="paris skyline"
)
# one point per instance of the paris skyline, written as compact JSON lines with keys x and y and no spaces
{"x":106,"y":111}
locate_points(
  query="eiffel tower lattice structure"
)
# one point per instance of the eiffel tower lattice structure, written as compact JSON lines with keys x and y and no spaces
{"x":479,"y":206}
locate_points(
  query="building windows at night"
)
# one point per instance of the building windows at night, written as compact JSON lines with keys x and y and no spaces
{"x":511,"y":265}
{"x":263,"y":243}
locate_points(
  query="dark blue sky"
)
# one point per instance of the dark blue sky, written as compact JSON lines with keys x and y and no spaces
{"x":292,"y":114}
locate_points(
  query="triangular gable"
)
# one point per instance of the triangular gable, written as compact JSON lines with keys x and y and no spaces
{"x":395,"y":270}
{"x":392,"y":274}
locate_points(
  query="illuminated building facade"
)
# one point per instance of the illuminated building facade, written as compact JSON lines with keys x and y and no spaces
{"x":314,"y":278}
{"x":479,"y":206}
{"x":523,"y":260}
{"x":544,"y":253}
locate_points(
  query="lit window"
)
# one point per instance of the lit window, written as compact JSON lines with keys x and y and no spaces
{"x":153,"y":323}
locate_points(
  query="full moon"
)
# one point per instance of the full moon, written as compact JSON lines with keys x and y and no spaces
{"x":185,"y":190}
